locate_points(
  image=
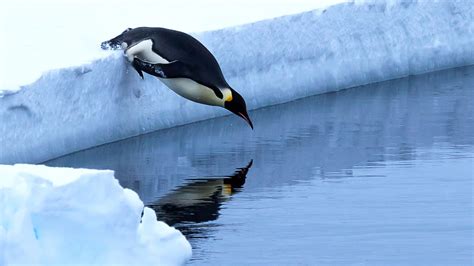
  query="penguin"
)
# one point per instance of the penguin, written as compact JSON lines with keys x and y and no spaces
{"x":199,"y":200}
{"x":182,"y":63}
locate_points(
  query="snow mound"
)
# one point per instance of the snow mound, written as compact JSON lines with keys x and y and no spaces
{"x":269,"y":62}
{"x":61,"y":216}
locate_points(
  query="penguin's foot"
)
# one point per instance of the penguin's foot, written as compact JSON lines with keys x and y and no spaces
{"x":152,"y":69}
{"x":136,"y":65}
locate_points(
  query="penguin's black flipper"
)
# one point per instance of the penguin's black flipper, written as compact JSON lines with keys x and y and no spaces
{"x":151,"y":69}
{"x":137,"y":68}
{"x":175,"y":69}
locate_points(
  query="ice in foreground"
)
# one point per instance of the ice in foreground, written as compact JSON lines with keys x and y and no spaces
{"x":61,"y":216}
{"x":268,"y":62}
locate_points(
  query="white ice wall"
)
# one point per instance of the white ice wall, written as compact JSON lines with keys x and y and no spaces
{"x":268,"y":62}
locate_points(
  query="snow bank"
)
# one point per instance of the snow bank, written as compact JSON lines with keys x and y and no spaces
{"x":61,"y":216}
{"x":268,"y":62}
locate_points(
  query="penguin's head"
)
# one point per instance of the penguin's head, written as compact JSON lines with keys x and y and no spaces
{"x":235,"y":103}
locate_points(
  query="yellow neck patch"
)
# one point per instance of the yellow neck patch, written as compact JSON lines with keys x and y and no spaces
{"x":227,"y":93}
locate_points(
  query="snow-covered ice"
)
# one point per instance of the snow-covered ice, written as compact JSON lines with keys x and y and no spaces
{"x":61,"y":216}
{"x":268,"y":62}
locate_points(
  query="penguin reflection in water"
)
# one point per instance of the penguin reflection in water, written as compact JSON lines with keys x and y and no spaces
{"x":199,"y":200}
{"x":182,"y":63}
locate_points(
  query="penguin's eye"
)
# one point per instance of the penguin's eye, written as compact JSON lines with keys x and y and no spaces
{"x":128,"y":29}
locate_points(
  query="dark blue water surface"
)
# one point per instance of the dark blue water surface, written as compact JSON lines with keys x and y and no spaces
{"x":374,"y":175}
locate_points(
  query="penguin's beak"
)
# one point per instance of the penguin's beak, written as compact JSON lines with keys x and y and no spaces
{"x":246,"y":117}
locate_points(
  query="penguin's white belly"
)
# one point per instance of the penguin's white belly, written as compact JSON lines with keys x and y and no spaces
{"x":193,"y":91}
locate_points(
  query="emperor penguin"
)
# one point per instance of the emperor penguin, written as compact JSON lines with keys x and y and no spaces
{"x":182,"y":63}
{"x":199,"y":200}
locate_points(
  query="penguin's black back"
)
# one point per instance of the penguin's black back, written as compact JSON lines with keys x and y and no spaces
{"x":175,"y":45}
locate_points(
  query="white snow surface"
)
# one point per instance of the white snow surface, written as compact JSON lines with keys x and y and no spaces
{"x":64,"y":216}
{"x":268,"y":62}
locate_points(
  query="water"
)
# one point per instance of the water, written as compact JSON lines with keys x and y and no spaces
{"x":377,"y":175}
